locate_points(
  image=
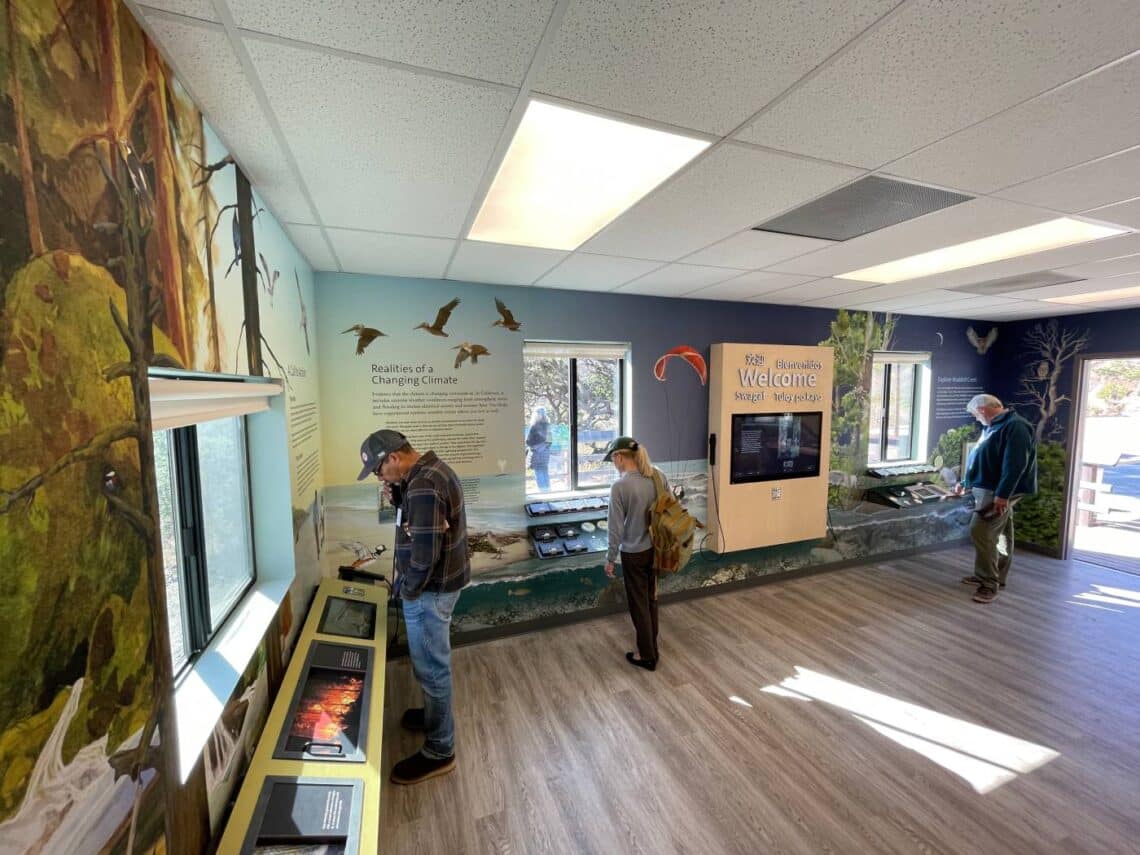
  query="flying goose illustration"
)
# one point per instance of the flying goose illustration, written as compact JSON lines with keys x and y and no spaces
{"x":469,"y":351}
{"x":507,"y":320}
{"x":440,"y":319}
{"x":364,"y":336}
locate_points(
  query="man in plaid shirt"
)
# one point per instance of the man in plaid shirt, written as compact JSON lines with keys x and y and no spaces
{"x":432,"y":567}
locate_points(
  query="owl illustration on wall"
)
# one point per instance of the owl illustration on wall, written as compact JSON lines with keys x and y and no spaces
{"x":982,"y":344}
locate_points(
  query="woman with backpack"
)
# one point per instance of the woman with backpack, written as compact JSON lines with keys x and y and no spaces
{"x":631,"y":497}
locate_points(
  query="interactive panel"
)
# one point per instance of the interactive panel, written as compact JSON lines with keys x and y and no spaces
{"x":306,"y":815}
{"x":769,"y":443}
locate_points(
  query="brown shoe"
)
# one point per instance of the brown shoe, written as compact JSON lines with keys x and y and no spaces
{"x":975,"y":580}
{"x":985,"y":595}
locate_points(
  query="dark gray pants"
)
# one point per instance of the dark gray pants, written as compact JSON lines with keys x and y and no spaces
{"x":993,"y":546}
{"x":641,"y":595}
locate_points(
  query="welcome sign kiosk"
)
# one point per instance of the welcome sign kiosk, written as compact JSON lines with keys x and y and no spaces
{"x":769,"y":444}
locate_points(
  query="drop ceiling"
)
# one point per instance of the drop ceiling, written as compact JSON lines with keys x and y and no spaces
{"x":373,"y":130}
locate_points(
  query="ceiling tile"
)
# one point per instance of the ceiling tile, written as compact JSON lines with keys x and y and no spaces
{"x":731,"y":188}
{"x":967,"y":304}
{"x":585,"y":272}
{"x":752,"y":249}
{"x":488,"y":39}
{"x":936,"y":67}
{"x":500,"y":264}
{"x":1087,"y":286}
{"x":872,"y":298}
{"x":203,"y":58}
{"x":833,"y":301}
{"x":968,"y":221}
{"x":1102,"y":269}
{"x":1123,"y":213}
{"x":1062,"y":128}
{"x":203,"y":9}
{"x":1091,"y":185}
{"x":1052,"y":260}
{"x":311,"y":242}
{"x":684,"y":63}
{"x":391,"y":151}
{"x":674,"y":280}
{"x":391,"y":255}
{"x":811,"y":289}
{"x":747,"y":286}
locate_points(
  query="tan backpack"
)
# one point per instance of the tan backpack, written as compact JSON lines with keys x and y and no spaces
{"x":672,"y":529}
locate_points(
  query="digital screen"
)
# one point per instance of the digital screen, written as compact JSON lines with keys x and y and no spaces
{"x":351,"y":618}
{"x":328,"y":713}
{"x":774,"y":446}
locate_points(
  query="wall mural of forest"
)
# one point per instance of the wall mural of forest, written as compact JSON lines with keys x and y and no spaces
{"x":109,"y":260}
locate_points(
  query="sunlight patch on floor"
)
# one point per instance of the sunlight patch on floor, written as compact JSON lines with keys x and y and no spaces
{"x":984,"y":758}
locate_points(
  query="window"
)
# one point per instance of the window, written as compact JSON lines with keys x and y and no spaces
{"x":207,"y":540}
{"x":574,"y":396}
{"x":900,"y":407}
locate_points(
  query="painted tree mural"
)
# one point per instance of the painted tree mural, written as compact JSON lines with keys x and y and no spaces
{"x":103,"y":255}
{"x":1046,"y":350}
{"x":855,"y":336}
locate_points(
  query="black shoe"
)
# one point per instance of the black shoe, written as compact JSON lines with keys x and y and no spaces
{"x":419,"y":767}
{"x":413,"y":719}
{"x":647,"y":664}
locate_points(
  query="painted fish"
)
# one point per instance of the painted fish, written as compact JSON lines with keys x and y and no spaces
{"x":518,"y":592}
{"x":689,"y":355}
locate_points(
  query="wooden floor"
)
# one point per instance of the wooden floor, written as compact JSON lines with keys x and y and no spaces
{"x":564,"y":747}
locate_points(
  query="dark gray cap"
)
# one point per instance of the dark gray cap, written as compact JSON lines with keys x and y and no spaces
{"x":376,"y":447}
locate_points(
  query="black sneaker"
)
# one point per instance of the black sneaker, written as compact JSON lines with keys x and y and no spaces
{"x":647,"y":664}
{"x":985,"y":595}
{"x":413,"y":719}
{"x":419,"y":767}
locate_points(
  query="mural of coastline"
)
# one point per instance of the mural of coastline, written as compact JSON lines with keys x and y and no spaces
{"x":382,"y":366}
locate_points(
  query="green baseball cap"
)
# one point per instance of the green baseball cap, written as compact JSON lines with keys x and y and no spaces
{"x":622,"y":443}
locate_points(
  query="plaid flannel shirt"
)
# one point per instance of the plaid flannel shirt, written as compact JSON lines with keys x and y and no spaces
{"x":431,"y":540}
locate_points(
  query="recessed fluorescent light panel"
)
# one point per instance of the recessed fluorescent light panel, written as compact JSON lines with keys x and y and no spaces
{"x":1097,"y":296}
{"x":1026,"y":241}
{"x":567,"y":174}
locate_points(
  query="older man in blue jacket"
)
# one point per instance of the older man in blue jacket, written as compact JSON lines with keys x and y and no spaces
{"x":1002,"y":468}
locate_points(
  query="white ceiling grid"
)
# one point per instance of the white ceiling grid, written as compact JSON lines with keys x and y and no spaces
{"x":372,"y":128}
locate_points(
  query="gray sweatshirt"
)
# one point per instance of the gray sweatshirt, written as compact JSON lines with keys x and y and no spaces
{"x":631,"y":497}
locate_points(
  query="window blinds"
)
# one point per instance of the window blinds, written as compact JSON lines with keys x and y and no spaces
{"x":575,"y":349}
{"x":901,"y":357}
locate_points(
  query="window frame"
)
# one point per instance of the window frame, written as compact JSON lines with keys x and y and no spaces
{"x":572,"y":352}
{"x":191,"y":544}
{"x":920,"y":398}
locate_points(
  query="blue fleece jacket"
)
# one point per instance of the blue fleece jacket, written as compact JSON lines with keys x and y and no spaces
{"x":1005,"y":459}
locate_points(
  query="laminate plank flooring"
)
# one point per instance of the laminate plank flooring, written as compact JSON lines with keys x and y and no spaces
{"x":871,"y":709}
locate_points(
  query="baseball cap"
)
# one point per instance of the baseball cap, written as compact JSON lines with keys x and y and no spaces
{"x":622,"y":443}
{"x":375,"y":447}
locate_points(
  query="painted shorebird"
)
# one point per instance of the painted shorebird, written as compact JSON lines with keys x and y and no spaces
{"x":441,"y":318}
{"x":364,"y":336}
{"x":469,"y":351}
{"x":507,"y":320}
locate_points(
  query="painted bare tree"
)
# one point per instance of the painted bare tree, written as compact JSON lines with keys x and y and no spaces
{"x":1047,"y":348}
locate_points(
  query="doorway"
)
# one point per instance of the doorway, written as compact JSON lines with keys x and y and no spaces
{"x":1105,"y":502}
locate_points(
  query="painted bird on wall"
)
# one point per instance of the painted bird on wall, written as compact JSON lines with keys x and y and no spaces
{"x":441,"y":318}
{"x":507,"y":319}
{"x":364,"y":336}
{"x":469,"y":351}
{"x":982,"y":344}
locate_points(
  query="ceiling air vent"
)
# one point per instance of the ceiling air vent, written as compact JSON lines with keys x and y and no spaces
{"x":867,"y":205}
{"x":1022,"y":282}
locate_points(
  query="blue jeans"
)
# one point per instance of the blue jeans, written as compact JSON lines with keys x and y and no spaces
{"x":542,"y":478}
{"x":428,"y":619}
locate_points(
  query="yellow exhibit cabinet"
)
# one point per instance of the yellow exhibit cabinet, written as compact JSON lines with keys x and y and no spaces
{"x":315,"y":776}
{"x":769,"y":444}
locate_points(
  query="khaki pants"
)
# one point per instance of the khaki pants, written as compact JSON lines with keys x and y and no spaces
{"x":993,"y":546}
